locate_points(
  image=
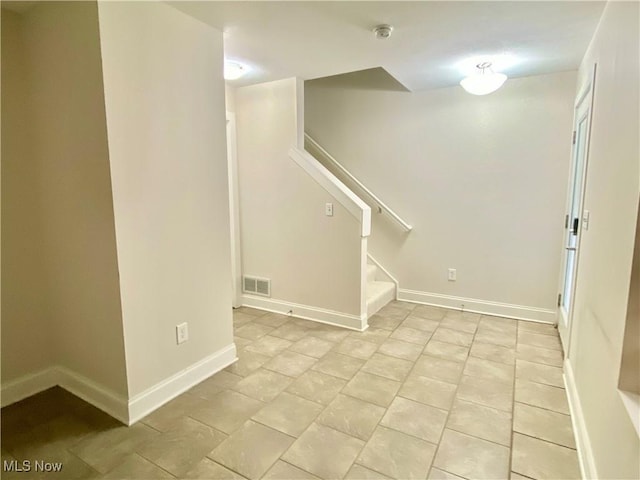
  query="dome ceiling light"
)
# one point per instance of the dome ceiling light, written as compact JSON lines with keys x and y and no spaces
{"x":483,"y":81}
{"x":234,"y":70}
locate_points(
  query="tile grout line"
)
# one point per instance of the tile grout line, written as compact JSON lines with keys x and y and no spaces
{"x":83,"y":461}
{"x":222,"y":464}
{"x":402,"y":383}
{"x":396,"y":395}
{"x":546,"y":441}
{"x":513,"y":430}
{"x":294,"y":466}
{"x":135,"y":452}
{"x":455,"y":393}
{"x":544,"y":408}
{"x":513,"y":402}
{"x":385,"y":408}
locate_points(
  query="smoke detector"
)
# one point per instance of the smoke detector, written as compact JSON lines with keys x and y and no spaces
{"x":383,"y":31}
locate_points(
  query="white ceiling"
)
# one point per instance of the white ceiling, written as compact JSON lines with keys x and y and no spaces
{"x":432,"y":45}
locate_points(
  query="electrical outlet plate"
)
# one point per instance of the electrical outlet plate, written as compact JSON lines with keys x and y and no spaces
{"x":452,"y":275}
{"x":328,"y":209}
{"x":182,"y":333}
{"x":585,"y":219}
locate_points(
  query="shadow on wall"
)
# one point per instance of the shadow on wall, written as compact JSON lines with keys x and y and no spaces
{"x":371,"y":79}
{"x":630,"y":368}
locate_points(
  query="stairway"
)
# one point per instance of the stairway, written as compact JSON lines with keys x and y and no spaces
{"x":379,"y":292}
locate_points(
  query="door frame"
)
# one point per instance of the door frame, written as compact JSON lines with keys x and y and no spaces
{"x":566,"y":318}
{"x":234,"y":211}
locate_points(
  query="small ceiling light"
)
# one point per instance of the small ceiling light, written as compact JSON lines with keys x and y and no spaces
{"x":483,"y":81}
{"x":234,"y":70}
{"x":383,"y":31}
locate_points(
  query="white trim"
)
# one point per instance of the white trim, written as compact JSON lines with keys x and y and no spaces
{"x":346,"y":172}
{"x":338,"y":190}
{"x":234,"y":209}
{"x":352,"y":322}
{"x":299,"y":113}
{"x":585,"y":452}
{"x":386,"y":273}
{"x":363,"y":277}
{"x":146,"y":402}
{"x":27,"y":385}
{"x":519,"y":312}
{"x":116,"y":405}
{"x":587,"y":95}
{"x":97,"y":395}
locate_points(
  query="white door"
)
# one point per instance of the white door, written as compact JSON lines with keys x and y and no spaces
{"x":574,"y":218}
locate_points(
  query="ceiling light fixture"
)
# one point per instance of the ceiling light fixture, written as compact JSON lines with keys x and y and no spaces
{"x":234,"y":70}
{"x":483,"y":81}
{"x":383,"y":31}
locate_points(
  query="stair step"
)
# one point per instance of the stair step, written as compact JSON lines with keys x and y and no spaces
{"x":378,"y":295}
{"x":372,"y":270}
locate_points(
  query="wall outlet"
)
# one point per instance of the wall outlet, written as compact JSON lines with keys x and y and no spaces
{"x":585,"y":219}
{"x":328,"y":209}
{"x":182,"y":333}
{"x":452,"y":275}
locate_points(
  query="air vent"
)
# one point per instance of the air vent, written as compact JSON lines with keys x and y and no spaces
{"x":257,"y":286}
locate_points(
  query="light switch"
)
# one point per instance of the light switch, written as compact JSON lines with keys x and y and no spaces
{"x":328,"y":209}
{"x":452,"y":275}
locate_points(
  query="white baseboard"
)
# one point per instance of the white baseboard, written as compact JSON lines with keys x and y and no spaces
{"x":28,"y":385}
{"x":114,"y":404}
{"x":484,"y":307}
{"x":585,"y":453}
{"x":146,"y":402}
{"x":97,"y":395}
{"x":90,"y":391}
{"x":353,"y":322}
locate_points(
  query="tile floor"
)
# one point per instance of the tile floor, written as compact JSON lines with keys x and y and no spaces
{"x":423,"y":393}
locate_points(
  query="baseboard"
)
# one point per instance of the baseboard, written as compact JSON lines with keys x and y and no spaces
{"x":112,"y":403}
{"x":91,"y":392}
{"x":585,"y":453}
{"x":353,"y":322}
{"x":146,"y":402}
{"x":484,"y":307}
{"x":28,"y":385}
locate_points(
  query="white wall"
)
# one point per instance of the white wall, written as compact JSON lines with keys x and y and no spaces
{"x":24,"y":330}
{"x":60,"y":274}
{"x":311,"y":259}
{"x":481,"y":179}
{"x":604,"y":268}
{"x":165,"y":105}
{"x":230,"y":98}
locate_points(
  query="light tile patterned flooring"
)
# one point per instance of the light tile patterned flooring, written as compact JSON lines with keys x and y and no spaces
{"x":423,"y":393}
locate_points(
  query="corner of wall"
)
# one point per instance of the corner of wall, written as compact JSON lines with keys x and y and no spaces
{"x":299,"y":113}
